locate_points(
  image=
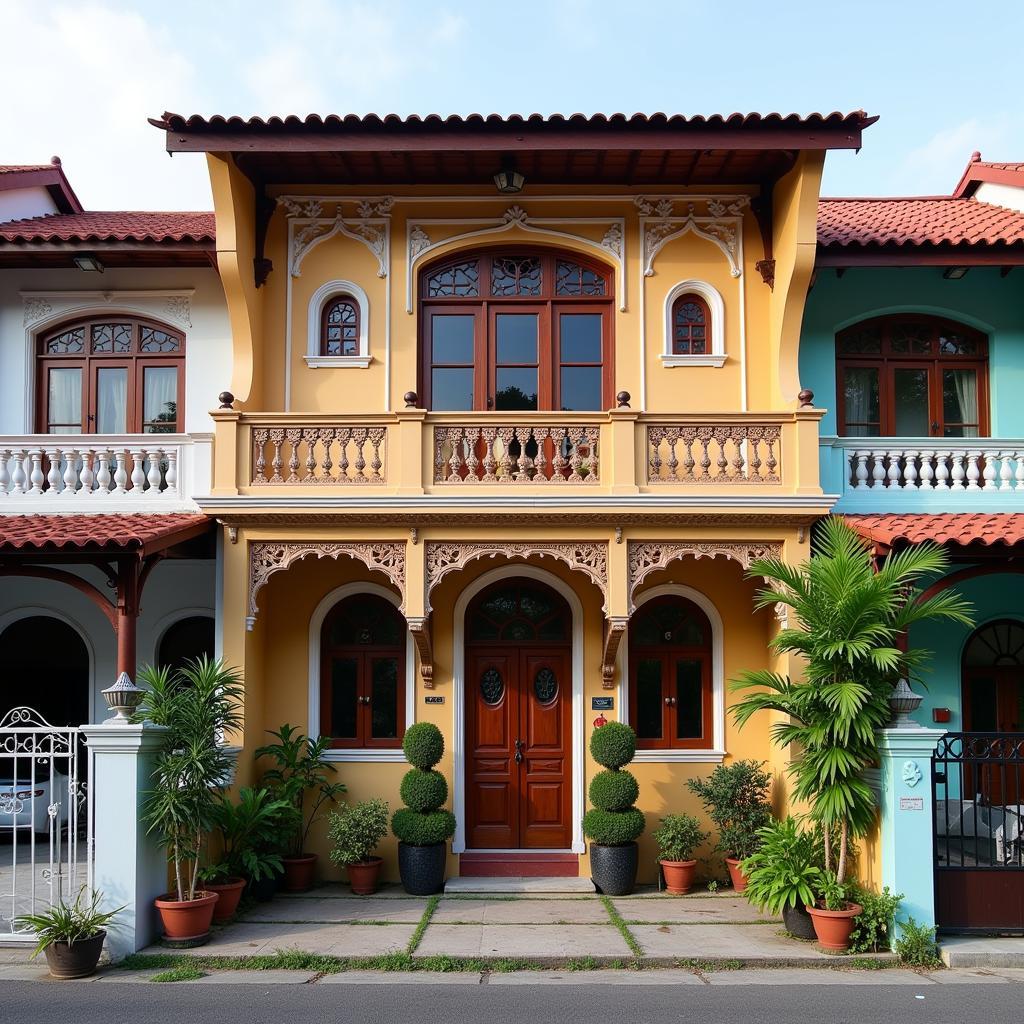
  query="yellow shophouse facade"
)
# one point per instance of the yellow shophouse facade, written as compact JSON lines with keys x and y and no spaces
{"x":514,"y":405}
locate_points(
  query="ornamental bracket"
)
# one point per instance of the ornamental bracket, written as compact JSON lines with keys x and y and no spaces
{"x":615,"y":630}
{"x":418,"y":627}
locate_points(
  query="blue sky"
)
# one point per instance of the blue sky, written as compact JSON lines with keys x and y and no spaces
{"x":943,"y":76}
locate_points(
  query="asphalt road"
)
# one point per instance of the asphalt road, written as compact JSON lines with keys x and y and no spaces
{"x":457,"y":1004}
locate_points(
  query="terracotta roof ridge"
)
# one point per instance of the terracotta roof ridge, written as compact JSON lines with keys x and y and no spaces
{"x":882,"y":199}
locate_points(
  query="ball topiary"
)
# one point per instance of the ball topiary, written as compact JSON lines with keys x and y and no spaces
{"x":423,"y":745}
{"x":419,"y":829}
{"x":424,"y":791}
{"x":612,"y":791}
{"x":613,"y":745}
{"x":614,"y":828}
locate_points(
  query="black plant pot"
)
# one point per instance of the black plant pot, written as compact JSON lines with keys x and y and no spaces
{"x":263,"y":891}
{"x":422,"y":868}
{"x":613,"y":868}
{"x":798,"y":922}
{"x":75,"y":959}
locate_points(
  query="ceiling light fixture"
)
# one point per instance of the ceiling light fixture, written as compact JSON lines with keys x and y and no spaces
{"x":954,"y":273}
{"x":86,"y":261}
{"x":508,"y":180}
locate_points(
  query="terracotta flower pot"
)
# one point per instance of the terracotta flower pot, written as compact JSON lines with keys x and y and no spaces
{"x":74,"y":959}
{"x":679,"y":875}
{"x":186,"y":919}
{"x":229,"y":893}
{"x":363,"y":876}
{"x":298,"y":872}
{"x":833,"y":927}
{"x":739,"y":880}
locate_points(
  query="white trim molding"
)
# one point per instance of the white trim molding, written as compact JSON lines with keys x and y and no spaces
{"x":316,"y":621}
{"x":721,"y":224}
{"x":459,"y":698}
{"x":325,"y":293}
{"x":716,"y":308}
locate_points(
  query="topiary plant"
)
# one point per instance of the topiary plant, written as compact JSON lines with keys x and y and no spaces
{"x":423,"y":822}
{"x":613,"y":820}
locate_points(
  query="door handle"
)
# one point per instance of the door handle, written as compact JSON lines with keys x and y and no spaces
{"x":519,"y":751}
{"x":935,"y":427}
{"x":670,"y":701}
{"x":364,"y":700}
{"x":490,"y":401}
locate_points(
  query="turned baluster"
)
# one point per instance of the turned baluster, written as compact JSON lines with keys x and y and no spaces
{"x":540,"y":475}
{"x":672,"y":436}
{"x":5,"y":472}
{"x":293,"y":436}
{"x":755,"y":462}
{"x":1018,"y":474}
{"x":54,"y":477}
{"x":860,"y":472}
{"x":86,"y":475}
{"x":739,"y":459}
{"x":344,"y":435}
{"x":259,"y":439}
{"x":155,"y":474}
{"x":311,"y":437}
{"x":171,"y":473}
{"x":440,"y":438}
{"x":327,"y":436}
{"x":989,"y":472}
{"x":594,"y":440}
{"x":575,"y":435}
{"x":70,"y":471}
{"x":103,"y":474}
{"x":559,"y":443}
{"x":359,"y":436}
{"x":19,"y":477}
{"x":524,"y":435}
{"x":489,"y":435}
{"x":926,"y":474}
{"x":654,"y":436}
{"x":910,"y":470}
{"x":958,"y":472}
{"x":138,"y":474}
{"x":877,"y":469}
{"x":505,"y":456}
{"x":1005,"y":471}
{"x":973,"y":472}
{"x":276,"y":436}
{"x":36,"y":474}
{"x":773,"y":462}
{"x":456,"y":437}
{"x":376,"y":435}
{"x":894,"y":470}
{"x":942,"y":471}
{"x":120,"y":471}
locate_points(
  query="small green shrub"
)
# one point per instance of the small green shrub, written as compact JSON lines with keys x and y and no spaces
{"x":614,"y":791}
{"x":872,"y":927}
{"x":355,"y":830}
{"x":613,"y":745}
{"x":424,"y":790}
{"x":418,"y":829}
{"x":679,"y":836}
{"x":423,"y":745}
{"x":782,"y":873}
{"x":736,"y":799}
{"x":614,"y":828}
{"x":69,"y":922}
{"x":831,"y":892}
{"x":916,"y":945}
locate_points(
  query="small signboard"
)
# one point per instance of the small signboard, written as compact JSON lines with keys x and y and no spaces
{"x":602,"y":703}
{"x":911,"y":803}
{"x":433,"y":699}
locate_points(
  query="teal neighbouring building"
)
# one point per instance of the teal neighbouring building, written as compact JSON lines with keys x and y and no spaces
{"x":913,"y":341}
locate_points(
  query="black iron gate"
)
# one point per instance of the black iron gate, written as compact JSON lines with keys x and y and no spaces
{"x":978,"y":801}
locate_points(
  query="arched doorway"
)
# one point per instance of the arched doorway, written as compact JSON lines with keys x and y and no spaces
{"x":518,"y":718}
{"x":46,"y":666}
{"x":187,"y":639}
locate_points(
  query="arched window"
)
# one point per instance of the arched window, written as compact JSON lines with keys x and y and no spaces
{"x":362,"y":673}
{"x":111,"y":375}
{"x":339,"y":328}
{"x":691,"y":326}
{"x":670,"y":667}
{"x":993,"y":678}
{"x":911,"y":375}
{"x":186,"y":640}
{"x":516,"y":329}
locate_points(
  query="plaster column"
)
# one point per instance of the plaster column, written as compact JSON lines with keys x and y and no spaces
{"x":907,"y":811}
{"x":129,"y":867}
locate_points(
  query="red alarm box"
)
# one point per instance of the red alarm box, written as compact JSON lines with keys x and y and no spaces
{"x":941,"y":714}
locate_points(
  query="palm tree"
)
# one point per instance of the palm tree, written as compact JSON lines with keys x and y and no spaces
{"x":851,"y":622}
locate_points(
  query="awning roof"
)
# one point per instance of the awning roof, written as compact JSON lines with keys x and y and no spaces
{"x":136,"y":533}
{"x":964,"y":530}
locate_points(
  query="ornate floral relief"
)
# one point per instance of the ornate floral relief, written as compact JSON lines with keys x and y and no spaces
{"x":589,"y":557}
{"x":418,"y":241}
{"x":35,"y":309}
{"x":269,"y":557}
{"x":612,"y":240}
{"x":179,"y":309}
{"x":324,"y":219}
{"x":514,"y":215}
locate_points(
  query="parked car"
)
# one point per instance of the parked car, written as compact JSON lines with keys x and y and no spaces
{"x":25,"y":805}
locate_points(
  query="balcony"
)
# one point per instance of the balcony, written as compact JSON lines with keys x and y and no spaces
{"x":103,"y":472}
{"x":671,"y":457}
{"x":909,"y":474}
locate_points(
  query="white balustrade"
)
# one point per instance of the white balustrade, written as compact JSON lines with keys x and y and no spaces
{"x":979,"y":466}
{"x":726,"y":453}
{"x":319,"y":455}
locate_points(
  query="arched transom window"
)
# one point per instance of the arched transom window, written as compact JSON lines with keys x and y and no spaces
{"x":111,"y":375}
{"x":339,"y":331}
{"x":516,"y":329}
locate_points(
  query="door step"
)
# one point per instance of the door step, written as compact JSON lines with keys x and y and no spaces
{"x":512,"y":885}
{"x":519,"y":865}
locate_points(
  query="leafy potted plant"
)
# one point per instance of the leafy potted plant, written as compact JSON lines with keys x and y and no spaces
{"x":300,"y":769}
{"x":677,"y":839}
{"x":198,"y":704}
{"x":71,"y":935}
{"x":248,"y":831}
{"x":355,"y":832}
{"x":833,"y":914}
{"x":613,"y":824}
{"x":423,"y":827}
{"x":736,"y":799}
{"x":782,"y":875}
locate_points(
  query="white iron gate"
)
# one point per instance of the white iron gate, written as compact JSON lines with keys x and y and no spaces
{"x":45,"y":818}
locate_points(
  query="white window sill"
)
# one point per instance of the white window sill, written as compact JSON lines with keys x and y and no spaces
{"x":325,"y":362}
{"x":708,"y":360}
{"x":679,"y":757}
{"x":387,"y":756}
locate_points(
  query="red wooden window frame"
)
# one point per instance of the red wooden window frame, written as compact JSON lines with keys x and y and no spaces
{"x":689,"y":339}
{"x":669,"y":655}
{"x":888,"y":359}
{"x":365,"y":655}
{"x":355,"y":325}
{"x":485,"y":307}
{"x":135,"y":362}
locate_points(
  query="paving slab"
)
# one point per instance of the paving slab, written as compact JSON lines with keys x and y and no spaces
{"x":28,"y":972}
{"x":491,"y":911}
{"x":711,"y":910}
{"x":16,"y":954}
{"x":804,"y":976}
{"x":340,"y":939}
{"x":591,"y":978}
{"x":982,"y":951}
{"x":402,"y":978}
{"x":365,"y":908}
{"x":522,"y":941}
{"x":741,"y":941}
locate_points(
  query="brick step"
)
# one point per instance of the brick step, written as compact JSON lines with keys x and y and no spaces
{"x":519,"y":865}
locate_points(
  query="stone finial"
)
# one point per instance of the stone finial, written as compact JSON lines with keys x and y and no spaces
{"x":226,"y":399}
{"x":410,"y":398}
{"x":976,"y":156}
{"x":806,"y":398}
{"x":622,"y":400}
{"x":55,"y":160}
{"x":122,"y":698}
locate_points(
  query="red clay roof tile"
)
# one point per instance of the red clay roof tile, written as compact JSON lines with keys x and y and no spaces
{"x":95,"y":533}
{"x":959,"y":528}
{"x":112,"y":226}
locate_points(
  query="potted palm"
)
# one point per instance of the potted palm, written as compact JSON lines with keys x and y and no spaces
{"x":300,"y":775}
{"x":199,"y":705}
{"x":423,"y":826}
{"x":736,"y":799}
{"x":613,"y":824}
{"x":852,"y":622}
{"x":355,"y":830}
{"x":677,"y":839}
{"x":71,"y":935}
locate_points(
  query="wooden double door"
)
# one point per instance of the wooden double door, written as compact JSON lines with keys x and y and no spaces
{"x":518,"y":747}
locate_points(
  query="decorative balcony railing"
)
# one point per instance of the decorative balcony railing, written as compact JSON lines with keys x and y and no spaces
{"x":102,"y":472}
{"x":318,"y":455}
{"x":724,"y":453}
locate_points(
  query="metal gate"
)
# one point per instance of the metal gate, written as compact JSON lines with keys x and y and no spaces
{"x":978,"y":794}
{"x":45,"y":818}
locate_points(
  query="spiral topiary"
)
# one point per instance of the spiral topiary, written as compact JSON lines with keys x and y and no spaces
{"x":423,"y":822}
{"x":613,"y":821}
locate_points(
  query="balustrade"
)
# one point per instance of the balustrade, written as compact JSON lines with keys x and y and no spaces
{"x":319,"y":455}
{"x":727,"y":453}
{"x":983,"y":468}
